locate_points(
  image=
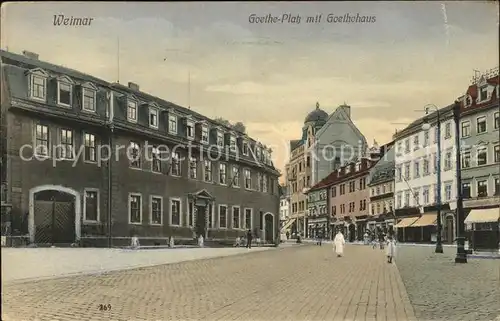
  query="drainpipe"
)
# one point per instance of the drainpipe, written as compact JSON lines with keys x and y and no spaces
{"x":110,"y":184}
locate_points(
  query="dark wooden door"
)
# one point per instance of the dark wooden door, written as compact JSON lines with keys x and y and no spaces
{"x":201,"y":220}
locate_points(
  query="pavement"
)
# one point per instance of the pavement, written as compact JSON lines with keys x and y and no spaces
{"x":20,"y":264}
{"x":440,"y":289}
{"x":290,"y":283}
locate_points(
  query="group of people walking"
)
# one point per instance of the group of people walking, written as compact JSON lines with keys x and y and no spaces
{"x":339,"y":242}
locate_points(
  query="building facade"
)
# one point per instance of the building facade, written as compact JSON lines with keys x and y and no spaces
{"x":328,"y":141}
{"x":284,"y":210}
{"x":350,"y":198}
{"x":318,"y":214}
{"x":338,"y":141}
{"x":95,"y":163}
{"x":381,"y":186}
{"x":416,"y":184}
{"x":480,"y":140}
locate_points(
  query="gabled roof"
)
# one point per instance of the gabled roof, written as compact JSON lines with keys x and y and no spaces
{"x":339,"y":175}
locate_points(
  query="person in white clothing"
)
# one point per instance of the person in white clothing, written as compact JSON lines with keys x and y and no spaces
{"x":338,"y":244}
{"x":391,"y":249}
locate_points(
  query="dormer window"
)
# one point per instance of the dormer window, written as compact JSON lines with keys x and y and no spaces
{"x":258,"y":153}
{"x":204,"y":134}
{"x":38,"y":84}
{"x":358,"y":166}
{"x":153,"y":117}
{"x":220,"y":138}
{"x":232,"y":143}
{"x":483,"y":93}
{"x":89,"y":98}
{"x":132,"y":111}
{"x":189,"y":129}
{"x":172,"y":124}
{"x":64,"y":91}
{"x":244,"y":148}
{"x":347,"y":169}
{"x":468,"y":100}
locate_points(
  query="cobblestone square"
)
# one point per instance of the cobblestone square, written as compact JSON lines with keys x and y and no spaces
{"x":297,"y":283}
{"x":439,"y":289}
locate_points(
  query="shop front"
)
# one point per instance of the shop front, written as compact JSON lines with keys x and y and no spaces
{"x":483,"y":228}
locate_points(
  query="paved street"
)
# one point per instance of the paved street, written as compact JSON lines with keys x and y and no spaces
{"x":26,"y":263}
{"x":441,"y":290}
{"x":295,"y":283}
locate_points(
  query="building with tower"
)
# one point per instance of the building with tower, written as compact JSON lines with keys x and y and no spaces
{"x":327,"y":142}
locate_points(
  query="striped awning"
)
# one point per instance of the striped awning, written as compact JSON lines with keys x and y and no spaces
{"x":426,"y":220}
{"x":407,"y":221}
{"x":489,"y":215}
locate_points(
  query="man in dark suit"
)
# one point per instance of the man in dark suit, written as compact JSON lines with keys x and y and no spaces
{"x":249,"y":239}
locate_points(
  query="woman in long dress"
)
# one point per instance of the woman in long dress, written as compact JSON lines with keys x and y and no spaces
{"x":338,"y":244}
{"x":391,"y":249}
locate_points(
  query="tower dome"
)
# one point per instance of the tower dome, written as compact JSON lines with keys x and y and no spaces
{"x":316,"y":116}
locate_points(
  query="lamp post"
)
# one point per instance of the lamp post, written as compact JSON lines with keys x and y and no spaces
{"x":426,"y":126}
{"x":461,"y":256}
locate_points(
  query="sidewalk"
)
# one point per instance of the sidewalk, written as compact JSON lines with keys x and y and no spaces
{"x":20,"y":264}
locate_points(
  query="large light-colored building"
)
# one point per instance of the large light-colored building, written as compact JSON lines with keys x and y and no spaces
{"x":416,"y":176}
{"x":327,"y":142}
{"x":480,"y":139}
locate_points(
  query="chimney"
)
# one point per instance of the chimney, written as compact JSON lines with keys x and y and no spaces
{"x":133,"y":86}
{"x":31,"y":55}
{"x":346,"y":109}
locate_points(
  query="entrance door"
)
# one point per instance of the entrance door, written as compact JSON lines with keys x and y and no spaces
{"x":201,"y":220}
{"x":269,"y":229}
{"x":449,"y":229}
{"x":352,"y":233}
{"x":54,"y":215}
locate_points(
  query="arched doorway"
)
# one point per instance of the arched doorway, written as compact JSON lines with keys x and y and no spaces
{"x":352,"y":232}
{"x":449,"y":229}
{"x":54,"y":215}
{"x":269,"y":228}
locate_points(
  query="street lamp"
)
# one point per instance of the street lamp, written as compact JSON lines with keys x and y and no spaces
{"x":461,"y":256}
{"x":427,"y":126}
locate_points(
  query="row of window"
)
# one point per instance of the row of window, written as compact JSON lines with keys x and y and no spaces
{"x":425,"y":193}
{"x":352,"y":207}
{"x":481,"y":125}
{"x":381,"y":189}
{"x":298,"y":206}
{"x":426,"y":142}
{"x":67,"y":150}
{"x":225,"y":217}
{"x":482,"y":189}
{"x":381,"y":207}
{"x":361,"y":185}
{"x":65,"y":86}
{"x":421,"y":167}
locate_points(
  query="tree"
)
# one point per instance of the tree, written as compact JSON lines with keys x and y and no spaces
{"x":238,"y":126}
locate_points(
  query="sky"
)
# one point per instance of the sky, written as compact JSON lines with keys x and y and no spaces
{"x":270,"y":76}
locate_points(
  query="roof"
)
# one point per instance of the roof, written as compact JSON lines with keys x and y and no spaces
{"x":473,"y":92}
{"x":317,"y":116}
{"x":384,"y":169}
{"x":444,"y":113}
{"x":14,"y":66}
{"x":339,"y":175}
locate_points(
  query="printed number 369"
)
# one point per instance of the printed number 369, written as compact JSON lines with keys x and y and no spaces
{"x":104,"y":307}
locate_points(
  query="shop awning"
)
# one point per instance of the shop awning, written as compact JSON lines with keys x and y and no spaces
{"x":405,"y":222}
{"x":483,"y":216}
{"x":426,"y":220}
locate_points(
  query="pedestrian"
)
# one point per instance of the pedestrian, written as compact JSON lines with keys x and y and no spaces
{"x":338,"y":244}
{"x":249,"y":239}
{"x":391,"y":249}
{"x":287,"y":235}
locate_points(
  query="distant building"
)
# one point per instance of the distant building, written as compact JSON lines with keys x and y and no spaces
{"x":284,"y":209}
{"x":318,"y":214}
{"x":416,"y":179}
{"x":381,"y":187}
{"x":328,"y":141}
{"x":211,"y":181}
{"x":480,"y":139}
